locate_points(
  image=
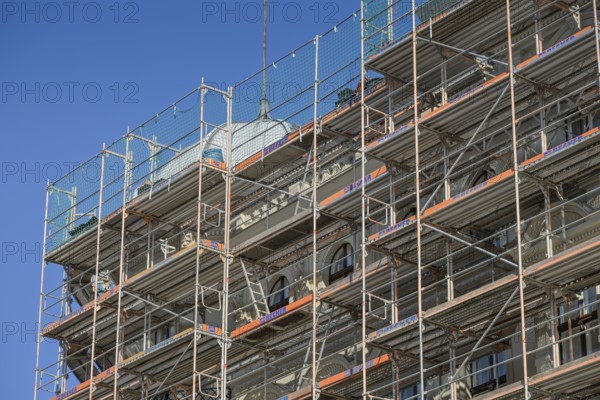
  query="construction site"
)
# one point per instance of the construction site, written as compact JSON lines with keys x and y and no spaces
{"x":405,"y":207}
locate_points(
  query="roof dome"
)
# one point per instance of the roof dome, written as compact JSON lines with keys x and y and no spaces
{"x":248,"y":137}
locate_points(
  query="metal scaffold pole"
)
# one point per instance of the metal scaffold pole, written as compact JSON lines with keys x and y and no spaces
{"x":515,"y":152}
{"x":41,"y":307}
{"x":363,"y":235}
{"x":195,"y":377}
{"x":418,"y":201}
{"x":315,"y":289}
{"x":97,"y":271}
{"x":225,"y":341}
{"x":119,"y":335}
{"x":597,"y":36}
{"x":539,"y":47}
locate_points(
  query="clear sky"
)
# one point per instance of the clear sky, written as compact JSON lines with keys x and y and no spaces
{"x":75,"y":74}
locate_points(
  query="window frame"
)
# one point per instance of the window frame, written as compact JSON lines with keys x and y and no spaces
{"x":347,"y":259}
{"x":274,"y":293}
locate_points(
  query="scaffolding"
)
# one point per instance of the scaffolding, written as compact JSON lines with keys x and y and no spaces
{"x":414,"y":215}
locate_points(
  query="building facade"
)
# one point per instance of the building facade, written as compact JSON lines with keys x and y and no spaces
{"x":416,"y":215}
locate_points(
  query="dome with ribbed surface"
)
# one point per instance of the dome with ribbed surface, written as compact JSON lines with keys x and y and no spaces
{"x":247,"y":139}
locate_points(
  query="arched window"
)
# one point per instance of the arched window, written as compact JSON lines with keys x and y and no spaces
{"x":409,"y":213}
{"x":342,"y":262}
{"x":482,"y":177}
{"x":279,"y":295}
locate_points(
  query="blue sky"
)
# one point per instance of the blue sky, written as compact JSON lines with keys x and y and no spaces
{"x":76,"y":74}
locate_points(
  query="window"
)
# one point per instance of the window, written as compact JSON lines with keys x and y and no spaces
{"x":485,"y":376}
{"x":279,"y":295}
{"x":410,"y":392}
{"x":342,"y":263}
{"x":582,"y":317}
{"x":482,"y":177}
{"x":489,"y":372}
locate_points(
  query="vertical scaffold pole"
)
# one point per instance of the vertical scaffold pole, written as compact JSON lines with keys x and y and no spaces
{"x":41,"y":307}
{"x":198,"y":233}
{"x":97,"y":271}
{"x":554,"y":325}
{"x":597,"y":34}
{"x":418,"y":200}
{"x":61,"y":370}
{"x":227,"y":244}
{"x":363,"y":254}
{"x":315,"y":290}
{"x":517,"y":205}
{"x":539,"y":47}
{"x":118,"y":341}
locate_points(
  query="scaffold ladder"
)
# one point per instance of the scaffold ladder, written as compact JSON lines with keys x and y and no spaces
{"x":257,"y":294}
{"x":306,"y":365}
